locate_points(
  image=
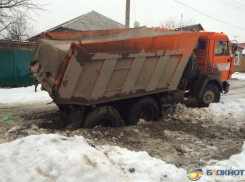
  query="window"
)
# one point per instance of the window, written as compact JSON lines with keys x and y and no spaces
{"x":221,"y":49}
{"x":201,"y":45}
{"x":237,"y":58}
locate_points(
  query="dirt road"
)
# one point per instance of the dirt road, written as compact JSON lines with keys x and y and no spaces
{"x":183,"y":136}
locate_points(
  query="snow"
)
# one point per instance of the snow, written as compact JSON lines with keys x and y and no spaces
{"x":239,"y":76}
{"x":57,"y":158}
{"x":229,"y":108}
{"x":23,"y":95}
{"x":144,"y":167}
{"x":232,"y":104}
{"x":54,"y":158}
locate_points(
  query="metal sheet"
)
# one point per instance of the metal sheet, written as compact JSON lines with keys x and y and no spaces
{"x":132,"y":75}
{"x":157,"y":73}
{"x":14,"y":68}
{"x":103,"y":78}
{"x":70,"y":79}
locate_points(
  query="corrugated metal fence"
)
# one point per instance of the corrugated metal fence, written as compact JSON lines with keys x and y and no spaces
{"x":14,"y":66}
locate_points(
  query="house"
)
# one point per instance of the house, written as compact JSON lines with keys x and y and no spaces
{"x":239,"y":61}
{"x":242,"y":45}
{"x":87,"y":22}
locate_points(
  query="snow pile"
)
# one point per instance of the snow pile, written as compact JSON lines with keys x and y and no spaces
{"x":59,"y":158}
{"x":231,"y":108}
{"x":239,"y":76}
{"x":54,"y":158}
{"x":23,"y":95}
{"x":139,"y":166}
{"x":183,"y":113}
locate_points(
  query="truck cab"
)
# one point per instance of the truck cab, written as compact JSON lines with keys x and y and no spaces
{"x":214,"y":68}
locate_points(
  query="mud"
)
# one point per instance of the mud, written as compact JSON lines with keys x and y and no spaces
{"x":182,"y":137}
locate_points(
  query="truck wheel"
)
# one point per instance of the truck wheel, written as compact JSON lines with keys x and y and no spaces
{"x":210,"y":95}
{"x":64,"y":108}
{"x":146,"y":108}
{"x":105,"y":116}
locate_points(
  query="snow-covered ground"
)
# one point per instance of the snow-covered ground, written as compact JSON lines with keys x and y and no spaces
{"x":59,"y":158}
{"x":239,"y":76}
{"x":23,"y":95}
{"x":232,"y":104}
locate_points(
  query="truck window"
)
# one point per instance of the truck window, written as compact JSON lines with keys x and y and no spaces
{"x":221,"y":49}
{"x":200,"y":45}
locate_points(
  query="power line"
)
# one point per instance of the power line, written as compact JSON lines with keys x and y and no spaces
{"x":238,"y":3}
{"x":209,"y":15}
{"x":231,"y":5}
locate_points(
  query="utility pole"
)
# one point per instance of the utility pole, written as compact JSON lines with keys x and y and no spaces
{"x":236,"y":36}
{"x":127,"y":17}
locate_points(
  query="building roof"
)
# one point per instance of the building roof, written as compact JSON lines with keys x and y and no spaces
{"x":192,"y":27}
{"x":90,"y":21}
{"x":87,"y":22}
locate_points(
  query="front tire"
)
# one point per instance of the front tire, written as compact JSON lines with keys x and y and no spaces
{"x":210,"y":95}
{"x":105,"y":116}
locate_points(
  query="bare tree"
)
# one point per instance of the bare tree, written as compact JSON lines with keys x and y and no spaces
{"x":19,"y":30}
{"x":173,"y":23}
{"x":15,"y":13}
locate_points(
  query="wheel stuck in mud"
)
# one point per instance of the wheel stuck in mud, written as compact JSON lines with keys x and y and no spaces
{"x":210,"y":95}
{"x":145,"y":108}
{"x":105,"y":116}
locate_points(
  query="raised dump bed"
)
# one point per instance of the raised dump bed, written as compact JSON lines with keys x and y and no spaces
{"x":112,"y":67}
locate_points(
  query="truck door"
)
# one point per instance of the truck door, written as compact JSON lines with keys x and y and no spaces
{"x":222,"y":60}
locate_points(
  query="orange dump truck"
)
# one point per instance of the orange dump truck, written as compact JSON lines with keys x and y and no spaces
{"x":109,"y":77}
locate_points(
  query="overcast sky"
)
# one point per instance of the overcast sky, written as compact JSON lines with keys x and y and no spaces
{"x":150,"y":13}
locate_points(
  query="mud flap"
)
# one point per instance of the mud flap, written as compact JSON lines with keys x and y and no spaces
{"x":196,"y":89}
{"x":225,"y":87}
{"x":76,"y":116}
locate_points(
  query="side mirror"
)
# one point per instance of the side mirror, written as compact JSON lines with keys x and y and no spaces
{"x":234,"y":48}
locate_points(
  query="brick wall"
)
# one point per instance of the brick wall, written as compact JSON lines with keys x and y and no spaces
{"x":18,"y":45}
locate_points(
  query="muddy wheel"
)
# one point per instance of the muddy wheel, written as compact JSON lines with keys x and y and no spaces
{"x":105,"y":116}
{"x":64,"y":108}
{"x":145,"y":108}
{"x":210,"y":95}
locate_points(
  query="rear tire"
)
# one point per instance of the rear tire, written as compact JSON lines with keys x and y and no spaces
{"x":211,"y":94}
{"x":105,"y":116}
{"x":145,"y":108}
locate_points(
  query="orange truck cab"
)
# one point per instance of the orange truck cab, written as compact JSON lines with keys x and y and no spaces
{"x":214,"y":68}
